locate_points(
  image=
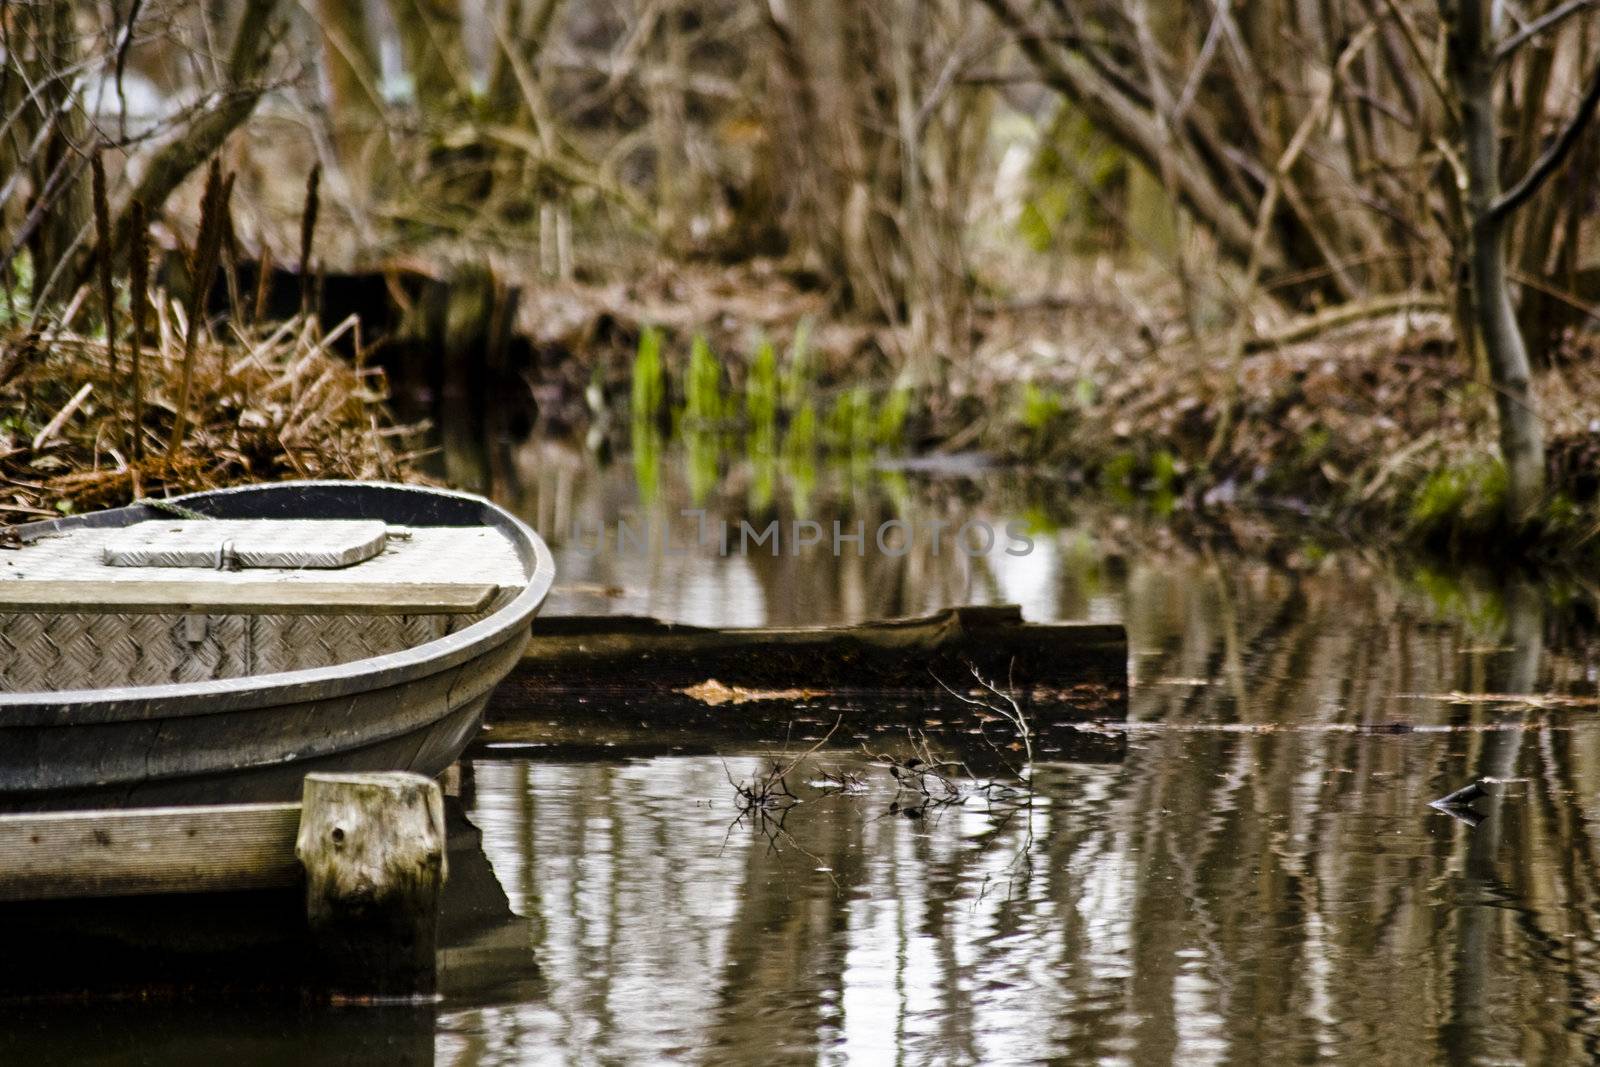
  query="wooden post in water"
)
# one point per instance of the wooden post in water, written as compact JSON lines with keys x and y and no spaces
{"x":373,"y":849}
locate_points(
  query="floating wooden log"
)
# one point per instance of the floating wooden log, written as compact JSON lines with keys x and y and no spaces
{"x":584,"y":661}
{"x":612,"y":685}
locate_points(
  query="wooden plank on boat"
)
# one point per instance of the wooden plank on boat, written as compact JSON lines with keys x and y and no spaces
{"x":246,"y":598}
{"x":139,"y":851}
{"x":657,"y":667}
{"x":214,"y":544}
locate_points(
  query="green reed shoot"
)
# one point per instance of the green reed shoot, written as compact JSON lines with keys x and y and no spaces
{"x":649,"y":377}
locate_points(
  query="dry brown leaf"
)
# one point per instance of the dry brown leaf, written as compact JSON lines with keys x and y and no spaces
{"x":714,"y":693}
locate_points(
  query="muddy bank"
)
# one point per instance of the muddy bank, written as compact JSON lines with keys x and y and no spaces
{"x":1372,"y":428}
{"x":1376,"y":427}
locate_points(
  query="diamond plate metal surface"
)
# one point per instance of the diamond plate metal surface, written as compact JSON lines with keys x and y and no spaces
{"x":223,"y":543}
{"x":46,"y":652}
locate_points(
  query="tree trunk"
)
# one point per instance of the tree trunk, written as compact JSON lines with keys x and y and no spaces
{"x":253,"y":42}
{"x":60,"y":176}
{"x":1521,"y":437}
{"x":350,"y":59}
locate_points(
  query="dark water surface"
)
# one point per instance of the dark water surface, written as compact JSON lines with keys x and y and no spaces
{"x":1258,"y":878}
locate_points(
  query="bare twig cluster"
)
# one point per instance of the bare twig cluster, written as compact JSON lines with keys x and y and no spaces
{"x":920,"y":785}
{"x":842,"y":782}
{"x":1363,"y":162}
{"x":68,"y":142}
{"x":770,"y":791}
{"x":998,"y":703}
{"x":926,"y":783}
{"x":924,"y":780}
{"x":767,"y":792}
{"x":200,"y":403}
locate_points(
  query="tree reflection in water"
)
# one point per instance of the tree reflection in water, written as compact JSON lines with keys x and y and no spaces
{"x":1259,"y":877}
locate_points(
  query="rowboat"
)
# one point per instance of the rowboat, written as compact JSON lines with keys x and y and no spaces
{"x":218,"y":646}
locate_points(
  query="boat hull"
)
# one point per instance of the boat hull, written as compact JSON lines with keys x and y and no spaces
{"x":254,"y":739}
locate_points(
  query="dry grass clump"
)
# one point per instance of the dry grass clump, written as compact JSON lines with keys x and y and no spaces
{"x":97,"y":419}
{"x":264,"y":404}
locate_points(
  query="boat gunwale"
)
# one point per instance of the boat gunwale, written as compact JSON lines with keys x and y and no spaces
{"x":78,"y":707}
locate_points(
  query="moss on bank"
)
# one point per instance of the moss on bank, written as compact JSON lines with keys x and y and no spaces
{"x":1378,"y":433}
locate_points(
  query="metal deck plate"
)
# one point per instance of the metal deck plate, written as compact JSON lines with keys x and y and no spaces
{"x":221,"y":544}
{"x":421,"y":570}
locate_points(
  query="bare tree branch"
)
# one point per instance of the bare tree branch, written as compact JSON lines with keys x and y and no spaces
{"x":1414,"y":42}
{"x":1538,"y":26}
{"x":1070,"y":74}
{"x":247,"y":61}
{"x":1202,"y":62}
{"x":1554,"y":156}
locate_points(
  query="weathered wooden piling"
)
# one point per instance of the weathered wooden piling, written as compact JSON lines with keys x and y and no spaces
{"x":373,"y":848}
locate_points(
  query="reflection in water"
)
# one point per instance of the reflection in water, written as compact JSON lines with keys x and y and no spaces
{"x":570,"y":502}
{"x":1258,"y":877}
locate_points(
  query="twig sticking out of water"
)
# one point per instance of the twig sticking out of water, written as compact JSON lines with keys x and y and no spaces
{"x":769,"y":798}
{"x":766,"y":792}
{"x":999,"y":702}
{"x":1459,"y":804}
{"x":843,"y":783}
{"x":931,"y":789}
{"x":771,"y":790}
{"x":922,"y":778}
{"x":1461,"y":797}
{"x":1005,"y":705}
